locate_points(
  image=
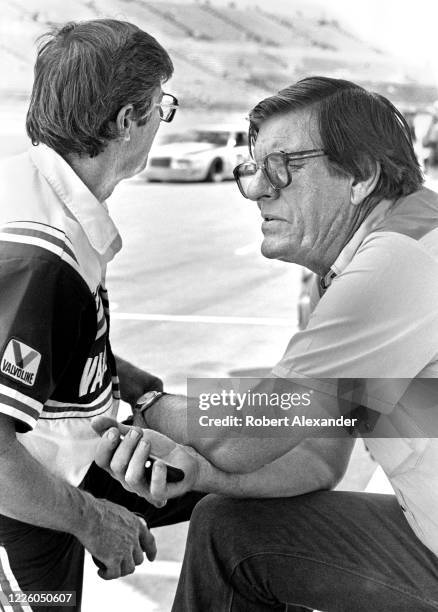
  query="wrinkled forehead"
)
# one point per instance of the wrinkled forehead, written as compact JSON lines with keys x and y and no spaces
{"x":288,"y":132}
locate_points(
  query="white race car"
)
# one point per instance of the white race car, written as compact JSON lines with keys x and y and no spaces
{"x":202,"y":154}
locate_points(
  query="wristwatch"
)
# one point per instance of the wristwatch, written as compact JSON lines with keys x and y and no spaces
{"x":147,"y":400}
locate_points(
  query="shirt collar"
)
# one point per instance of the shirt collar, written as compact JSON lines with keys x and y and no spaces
{"x":92,"y":215}
{"x":346,"y":255}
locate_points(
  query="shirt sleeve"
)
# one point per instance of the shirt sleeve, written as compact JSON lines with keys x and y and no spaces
{"x":41,"y":304}
{"x":378,"y":319}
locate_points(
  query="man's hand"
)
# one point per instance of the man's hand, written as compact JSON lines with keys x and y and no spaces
{"x":117,"y":539}
{"x":123,"y":452}
{"x":134,"y":381}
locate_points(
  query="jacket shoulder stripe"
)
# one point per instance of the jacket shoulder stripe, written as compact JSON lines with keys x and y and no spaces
{"x":41,"y":243}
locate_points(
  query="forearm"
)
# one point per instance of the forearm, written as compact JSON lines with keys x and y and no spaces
{"x":29,"y":493}
{"x":242,"y":453}
{"x":134,"y":381}
{"x":313,"y":465}
{"x":316,"y":463}
{"x":230,"y":454}
{"x":169,"y":416}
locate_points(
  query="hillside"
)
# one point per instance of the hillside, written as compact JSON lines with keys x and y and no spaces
{"x":250,"y":52}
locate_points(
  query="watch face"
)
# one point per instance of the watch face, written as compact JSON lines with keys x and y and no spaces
{"x":146,"y":399}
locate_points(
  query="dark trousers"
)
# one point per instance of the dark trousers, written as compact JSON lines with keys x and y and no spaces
{"x":329,"y":550}
{"x":46,"y":560}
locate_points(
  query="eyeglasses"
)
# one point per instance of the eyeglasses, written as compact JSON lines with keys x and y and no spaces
{"x":167,"y":106}
{"x":275,"y":167}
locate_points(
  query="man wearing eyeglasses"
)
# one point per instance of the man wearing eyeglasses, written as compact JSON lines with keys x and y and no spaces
{"x":339,"y":189}
{"x":96,"y":105}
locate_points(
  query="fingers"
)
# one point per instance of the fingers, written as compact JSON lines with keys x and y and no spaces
{"x":138,"y":556}
{"x":105,"y":574}
{"x":158,"y":486}
{"x":108,"y":454}
{"x":106,"y":448}
{"x":126,"y":567}
{"x":125,"y":429}
{"x":109,"y":573}
{"x":101,"y":424}
{"x":135,"y":476}
{"x":147,"y":541}
{"x":124,"y":451}
{"x":126,"y":458}
{"x":135,"y":472}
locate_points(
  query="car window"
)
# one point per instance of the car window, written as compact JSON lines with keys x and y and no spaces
{"x":241,"y":139}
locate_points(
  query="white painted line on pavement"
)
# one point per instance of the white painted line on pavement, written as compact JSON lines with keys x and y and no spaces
{"x":269,"y":321}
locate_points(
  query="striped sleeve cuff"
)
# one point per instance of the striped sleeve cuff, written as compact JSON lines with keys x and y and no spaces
{"x":19,"y":406}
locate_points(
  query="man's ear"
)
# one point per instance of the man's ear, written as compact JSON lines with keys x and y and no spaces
{"x":124,"y":122}
{"x":361,"y":189}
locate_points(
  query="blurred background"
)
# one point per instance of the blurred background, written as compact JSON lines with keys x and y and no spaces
{"x":191,"y":294}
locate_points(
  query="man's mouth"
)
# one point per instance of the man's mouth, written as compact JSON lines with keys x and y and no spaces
{"x":272,"y":218}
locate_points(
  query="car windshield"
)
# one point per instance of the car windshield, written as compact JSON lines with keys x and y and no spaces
{"x":213,"y":137}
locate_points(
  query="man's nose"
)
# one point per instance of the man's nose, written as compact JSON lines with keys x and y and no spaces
{"x":260,"y":187}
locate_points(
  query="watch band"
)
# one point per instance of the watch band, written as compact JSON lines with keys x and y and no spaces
{"x":147,"y":400}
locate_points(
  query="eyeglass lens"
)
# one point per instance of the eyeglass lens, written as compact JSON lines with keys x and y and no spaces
{"x":244,"y":174}
{"x":168,"y":107}
{"x":275,"y":168}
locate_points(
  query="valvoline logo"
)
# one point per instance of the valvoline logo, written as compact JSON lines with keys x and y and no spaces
{"x":20,"y":362}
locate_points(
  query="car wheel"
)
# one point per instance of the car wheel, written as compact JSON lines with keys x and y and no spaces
{"x":215,"y":173}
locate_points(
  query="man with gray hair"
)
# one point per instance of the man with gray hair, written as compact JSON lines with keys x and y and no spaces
{"x":97,"y":103}
{"x":340,"y":191}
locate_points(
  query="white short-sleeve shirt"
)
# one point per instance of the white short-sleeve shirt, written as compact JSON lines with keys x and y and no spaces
{"x":378,"y":319}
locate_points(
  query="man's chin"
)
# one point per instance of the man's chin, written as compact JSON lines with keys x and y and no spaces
{"x":135,"y":172}
{"x":270,"y":252}
{"x":139,"y":168}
